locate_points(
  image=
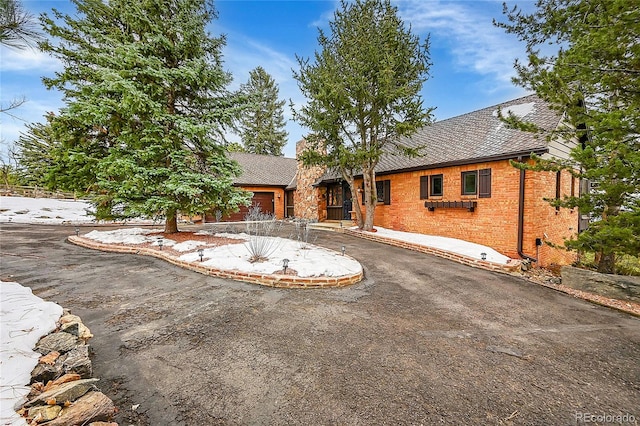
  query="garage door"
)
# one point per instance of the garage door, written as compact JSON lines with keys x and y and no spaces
{"x":263,"y":199}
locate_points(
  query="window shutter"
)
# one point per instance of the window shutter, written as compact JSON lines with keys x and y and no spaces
{"x":387,"y":192}
{"x":558,"y":181}
{"x":424,"y":187}
{"x":484,"y":184}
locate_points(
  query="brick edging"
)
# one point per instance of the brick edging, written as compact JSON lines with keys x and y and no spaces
{"x":460,"y":258}
{"x":269,"y":280}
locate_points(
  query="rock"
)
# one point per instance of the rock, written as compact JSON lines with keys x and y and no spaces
{"x":65,"y":392}
{"x":622,"y":287}
{"x":44,"y":413}
{"x":69,"y":318}
{"x":60,"y":342}
{"x":45,"y":373}
{"x":94,"y":406}
{"x":77,"y":329}
{"x":77,"y":361}
{"x":64,"y":379}
{"x":50,"y":358}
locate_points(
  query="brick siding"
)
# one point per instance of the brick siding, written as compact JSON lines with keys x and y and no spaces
{"x":494,"y":222}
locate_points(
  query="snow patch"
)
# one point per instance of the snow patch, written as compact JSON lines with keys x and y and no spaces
{"x":24,"y":319}
{"x":453,"y":245}
{"x":124,"y":236}
{"x":519,"y":110}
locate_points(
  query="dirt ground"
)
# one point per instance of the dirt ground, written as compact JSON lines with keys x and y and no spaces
{"x":421,"y":340}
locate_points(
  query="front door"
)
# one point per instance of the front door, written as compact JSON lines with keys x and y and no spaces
{"x":338,"y":201}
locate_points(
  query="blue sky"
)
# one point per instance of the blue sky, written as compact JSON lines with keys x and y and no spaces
{"x":472,"y":60}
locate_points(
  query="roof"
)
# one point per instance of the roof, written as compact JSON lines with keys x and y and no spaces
{"x":471,"y":138}
{"x":264,"y":170}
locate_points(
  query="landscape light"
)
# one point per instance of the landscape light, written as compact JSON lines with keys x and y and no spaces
{"x":285,"y":265}
{"x":77,"y":231}
{"x":160,"y":242}
{"x":343,"y":249}
{"x":200,"y":253}
{"x":483,"y":256}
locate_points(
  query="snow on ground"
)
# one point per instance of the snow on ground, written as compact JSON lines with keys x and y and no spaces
{"x":48,"y":211}
{"x":124,"y":236}
{"x":43,"y":210}
{"x":24,"y":319}
{"x":306,"y":259}
{"x":443,"y":243}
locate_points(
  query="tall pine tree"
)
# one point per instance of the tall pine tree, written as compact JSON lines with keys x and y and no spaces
{"x":364,"y":93}
{"x":262,"y":124}
{"x":147,"y":106}
{"x":592,"y":78}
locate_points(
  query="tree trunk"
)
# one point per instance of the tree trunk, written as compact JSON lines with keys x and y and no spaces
{"x":606,"y":263}
{"x":355,"y":199}
{"x":171,"y":224}
{"x":370,"y":198}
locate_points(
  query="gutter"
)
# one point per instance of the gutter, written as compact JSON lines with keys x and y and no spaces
{"x":521,"y":218}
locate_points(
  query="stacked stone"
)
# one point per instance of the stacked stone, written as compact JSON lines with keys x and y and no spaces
{"x":62,"y":389}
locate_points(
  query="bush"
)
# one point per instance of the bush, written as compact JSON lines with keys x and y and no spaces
{"x":261,"y":228}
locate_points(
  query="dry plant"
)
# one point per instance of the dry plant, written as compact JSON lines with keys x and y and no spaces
{"x":261,"y":228}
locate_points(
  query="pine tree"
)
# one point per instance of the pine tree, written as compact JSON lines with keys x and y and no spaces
{"x":18,"y":27}
{"x":364,"y":93}
{"x":33,"y":151}
{"x":18,"y":30}
{"x":262,"y":124}
{"x":593,"y":79}
{"x":147,"y":106}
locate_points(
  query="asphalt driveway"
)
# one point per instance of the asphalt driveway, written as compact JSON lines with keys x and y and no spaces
{"x":421,"y":340}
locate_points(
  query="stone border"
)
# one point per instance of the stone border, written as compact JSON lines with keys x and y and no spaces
{"x":514,"y":266}
{"x":269,"y":280}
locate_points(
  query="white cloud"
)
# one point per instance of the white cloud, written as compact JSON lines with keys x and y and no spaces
{"x":466,"y":29}
{"x":27,"y":60}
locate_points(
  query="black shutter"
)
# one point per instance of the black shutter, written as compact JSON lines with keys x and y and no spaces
{"x":558,"y":181}
{"x":484,"y":184}
{"x":387,"y":192}
{"x":424,"y":187}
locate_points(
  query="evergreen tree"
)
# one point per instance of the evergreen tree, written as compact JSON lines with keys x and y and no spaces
{"x":18,"y":29}
{"x":34,"y":153}
{"x":146,"y":108}
{"x":363,"y":91}
{"x":262,"y":124}
{"x":593,"y":79}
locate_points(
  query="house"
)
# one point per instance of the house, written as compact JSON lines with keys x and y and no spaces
{"x":465,"y":186}
{"x":271,"y":179}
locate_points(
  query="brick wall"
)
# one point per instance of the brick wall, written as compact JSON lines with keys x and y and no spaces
{"x":495,"y":220}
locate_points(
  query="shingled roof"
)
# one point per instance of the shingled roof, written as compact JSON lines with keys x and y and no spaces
{"x":471,"y":138}
{"x":264,"y":170}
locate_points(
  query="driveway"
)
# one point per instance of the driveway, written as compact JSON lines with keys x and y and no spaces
{"x":421,"y":340}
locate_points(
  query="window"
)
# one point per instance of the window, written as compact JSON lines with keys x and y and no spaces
{"x":436,"y":185}
{"x":334,"y":195}
{"x":424,"y":187}
{"x":484,"y":183}
{"x":383,"y":189}
{"x":469,"y":183}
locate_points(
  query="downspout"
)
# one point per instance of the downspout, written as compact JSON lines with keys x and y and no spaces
{"x":521,"y":218}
